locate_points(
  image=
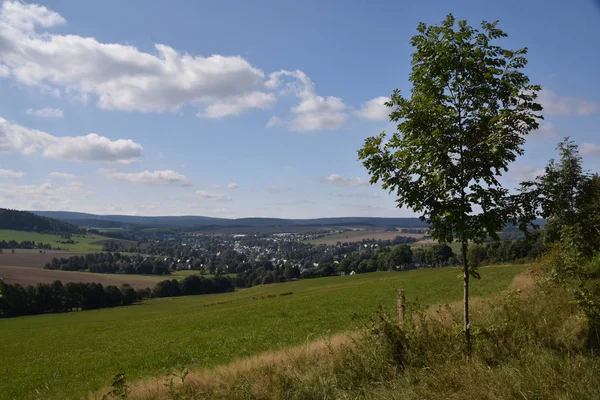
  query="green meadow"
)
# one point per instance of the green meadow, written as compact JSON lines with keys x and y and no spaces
{"x":83,"y":243}
{"x":70,"y":355}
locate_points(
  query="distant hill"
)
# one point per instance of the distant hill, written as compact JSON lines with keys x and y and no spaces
{"x":106,"y":221}
{"x":27,"y":221}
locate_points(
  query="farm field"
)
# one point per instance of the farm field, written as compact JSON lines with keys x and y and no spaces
{"x":31,"y":258}
{"x":359,"y":235}
{"x":33,"y":276}
{"x":69,"y":355}
{"x":83,"y":243}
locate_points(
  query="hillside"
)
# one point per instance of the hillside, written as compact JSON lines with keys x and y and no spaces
{"x":190,"y":221}
{"x":163,"y":334}
{"x":27,"y":221}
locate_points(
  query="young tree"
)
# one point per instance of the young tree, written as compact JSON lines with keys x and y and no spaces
{"x":464,"y":123}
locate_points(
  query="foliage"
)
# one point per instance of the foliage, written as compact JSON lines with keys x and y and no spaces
{"x":26,"y":221}
{"x":469,"y":110}
{"x":120,"y":389}
{"x":471,"y":107}
{"x":113,"y":263}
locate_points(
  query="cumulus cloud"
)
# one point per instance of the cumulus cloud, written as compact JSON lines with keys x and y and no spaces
{"x":9,"y":174}
{"x":92,"y":147}
{"x":545,"y":131}
{"x":566,"y":106}
{"x":237,"y":105}
{"x":375,"y":109}
{"x":357,"y":195}
{"x":314,"y":112}
{"x":203,"y":195}
{"x":46,"y":112}
{"x":62,"y":175}
{"x":273,"y":121}
{"x":44,"y":197}
{"x":121,"y":76}
{"x":151,"y":178}
{"x":344,"y":181}
{"x":521,"y":173}
{"x":589,"y":148}
{"x":232,"y":186}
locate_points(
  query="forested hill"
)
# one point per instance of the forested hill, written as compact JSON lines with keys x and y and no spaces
{"x":26,"y":221}
{"x":83,"y":219}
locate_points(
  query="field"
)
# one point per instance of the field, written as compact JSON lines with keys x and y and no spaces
{"x":68,"y":355}
{"x":83,"y":243}
{"x":32,"y":276}
{"x":31,"y":258}
{"x":359,"y":235}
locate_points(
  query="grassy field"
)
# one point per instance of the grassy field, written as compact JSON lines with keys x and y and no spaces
{"x":83,"y":243}
{"x":68,"y":355}
{"x":359,"y":235}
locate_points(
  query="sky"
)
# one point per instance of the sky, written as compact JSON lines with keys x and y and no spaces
{"x":239,"y":109}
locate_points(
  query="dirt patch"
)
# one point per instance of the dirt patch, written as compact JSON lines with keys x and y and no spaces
{"x":32,"y":276}
{"x":31,"y":258}
{"x":360,"y":235}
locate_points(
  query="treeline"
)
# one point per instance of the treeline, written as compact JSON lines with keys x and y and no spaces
{"x":17,"y":300}
{"x":111,"y":263}
{"x":26,"y":221}
{"x":118,"y":246}
{"x":507,"y":251}
{"x":368,"y":259}
{"x":193,"y":285}
{"x":24,"y":244}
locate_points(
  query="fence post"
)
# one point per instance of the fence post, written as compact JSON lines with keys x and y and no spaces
{"x":401,"y":306}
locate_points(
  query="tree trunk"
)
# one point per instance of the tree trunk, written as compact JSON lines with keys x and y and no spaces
{"x":466,"y":299}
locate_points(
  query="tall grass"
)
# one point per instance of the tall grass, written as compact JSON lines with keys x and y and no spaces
{"x":531,"y":342}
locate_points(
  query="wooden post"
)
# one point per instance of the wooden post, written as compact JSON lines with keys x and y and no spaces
{"x":401,"y":306}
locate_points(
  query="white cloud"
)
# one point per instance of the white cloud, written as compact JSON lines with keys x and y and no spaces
{"x":46,"y":112}
{"x":545,"y":131}
{"x":314,"y":112}
{"x":341,"y":180}
{"x":92,"y":147}
{"x":375,"y":109}
{"x":232,"y":186}
{"x":4,"y":71}
{"x":44,"y":197}
{"x":589,"y":148}
{"x":121,"y":76}
{"x":566,"y":106}
{"x":9,"y":174}
{"x":154,"y":178}
{"x":237,"y":105}
{"x":521,"y":173}
{"x":273,"y":121}
{"x":202,"y":195}
{"x":62,"y":175}
{"x":357,"y":195}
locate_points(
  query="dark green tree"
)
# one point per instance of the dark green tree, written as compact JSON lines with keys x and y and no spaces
{"x":464,"y":123}
{"x":401,"y":256}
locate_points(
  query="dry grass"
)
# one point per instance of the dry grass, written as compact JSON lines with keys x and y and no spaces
{"x":218,"y":381}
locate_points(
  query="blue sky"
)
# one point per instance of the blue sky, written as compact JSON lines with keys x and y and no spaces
{"x":235,"y":108}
